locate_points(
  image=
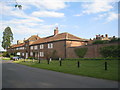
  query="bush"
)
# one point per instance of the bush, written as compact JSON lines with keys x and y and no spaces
{"x":110,"y":51}
{"x":80,"y":52}
{"x":115,"y":40}
{"x":6,"y":54}
{"x":11,"y":56}
{"x":30,"y":57}
{"x":100,"y":42}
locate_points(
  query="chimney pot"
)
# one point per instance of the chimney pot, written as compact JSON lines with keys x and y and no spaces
{"x":56,"y":31}
{"x":102,"y":35}
{"x":106,"y":35}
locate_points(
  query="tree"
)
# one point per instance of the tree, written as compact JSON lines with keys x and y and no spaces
{"x":17,"y":5}
{"x":7,"y":38}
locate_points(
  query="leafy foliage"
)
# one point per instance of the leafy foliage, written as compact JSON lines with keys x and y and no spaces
{"x":7,"y":38}
{"x":100,"y":42}
{"x":54,"y":55}
{"x":5,"y":54}
{"x":110,"y":51}
{"x":30,"y":57}
{"x":115,"y":40}
{"x":19,"y":6}
{"x":80,"y":52}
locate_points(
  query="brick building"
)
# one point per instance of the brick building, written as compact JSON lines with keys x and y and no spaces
{"x":54,"y":46}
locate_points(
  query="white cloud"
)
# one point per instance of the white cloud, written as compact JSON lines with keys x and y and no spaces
{"x":27,"y":28}
{"x":112,"y":16}
{"x":45,"y":4}
{"x":97,"y":7}
{"x":47,"y":14}
{"x":101,"y":16}
{"x":103,"y":9}
{"x":78,"y":15}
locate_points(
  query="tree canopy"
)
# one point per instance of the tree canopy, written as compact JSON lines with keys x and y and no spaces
{"x":7,"y":38}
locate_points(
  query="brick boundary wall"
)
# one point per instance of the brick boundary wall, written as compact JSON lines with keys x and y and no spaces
{"x":92,"y":52}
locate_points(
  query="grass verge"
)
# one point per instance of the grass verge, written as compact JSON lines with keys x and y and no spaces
{"x":90,"y":68}
{"x":5,"y":58}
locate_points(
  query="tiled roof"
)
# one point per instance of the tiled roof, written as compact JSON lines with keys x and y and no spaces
{"x":60,"y":36}
{"x":37,"y":40}
{"x":33,"y":38}
{"x":17,"y":45}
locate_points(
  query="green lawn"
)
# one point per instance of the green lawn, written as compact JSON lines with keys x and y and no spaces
{"x":91,"y":68}
{"x":6,"y":58}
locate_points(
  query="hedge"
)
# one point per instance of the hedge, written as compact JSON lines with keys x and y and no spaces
{"x":110,"y":51}
{"x":80,"y":52}
{"x":100,"y":42}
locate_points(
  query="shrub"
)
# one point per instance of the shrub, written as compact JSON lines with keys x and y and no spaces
{"x":80,"y":52}
{"x":100,"y":42}
{"x":110,"y":51}
{"x":6,"y":54}
{"x":30,"y":57}
{"x":115,"y":40}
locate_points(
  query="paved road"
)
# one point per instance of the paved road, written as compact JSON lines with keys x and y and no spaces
{"x":20,"y":76}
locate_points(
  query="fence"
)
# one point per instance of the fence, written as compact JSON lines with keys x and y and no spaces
{"x":92,"y":63}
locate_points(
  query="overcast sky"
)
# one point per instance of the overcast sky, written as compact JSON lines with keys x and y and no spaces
{"x":83,"y":19}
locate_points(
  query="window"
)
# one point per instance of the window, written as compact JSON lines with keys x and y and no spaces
{"x":35,"y":47}
{"x":31,"y":47}
{"x":42,"y":54}
{"x":21,"y":48}
{"x":41,"y":46}
{"x":85,"y":43}
{"x":50,"y":45}
{"x":22,"y":54}
{"x":31,"y":53}
{"x":17,"y":48}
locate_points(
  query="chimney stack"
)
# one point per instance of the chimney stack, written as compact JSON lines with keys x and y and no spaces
{"x":56,"y":31}
{"x":102,"y":36}
{"x":96,"y":36}
{"x":17,"y":41}
{"x":106,"y":35}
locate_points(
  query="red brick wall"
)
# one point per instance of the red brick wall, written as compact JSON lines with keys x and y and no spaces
{"x":92,"y":52}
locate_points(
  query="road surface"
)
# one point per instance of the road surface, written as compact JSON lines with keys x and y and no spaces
{"x":20,"y":76}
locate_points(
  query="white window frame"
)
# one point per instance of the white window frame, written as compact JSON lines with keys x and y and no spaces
{"x":41,"y":54}
{"x":31,"y":53}
{"x":50,"y":45}
{"x":31,"y":47}
{"x":22,"y":54}
{"x":17,"y":48}
{"x":41,"y":46}
{"x":22,"y":47}
{"x":36,"y":47}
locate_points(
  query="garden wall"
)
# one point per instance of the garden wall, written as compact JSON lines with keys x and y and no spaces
{"x":92,"y":52}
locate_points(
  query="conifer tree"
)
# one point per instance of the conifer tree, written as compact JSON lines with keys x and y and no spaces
{"x":7,"y":38}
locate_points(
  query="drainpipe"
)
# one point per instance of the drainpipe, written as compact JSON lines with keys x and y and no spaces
{"x":66,"y":37}
{"x":65,"y":49}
